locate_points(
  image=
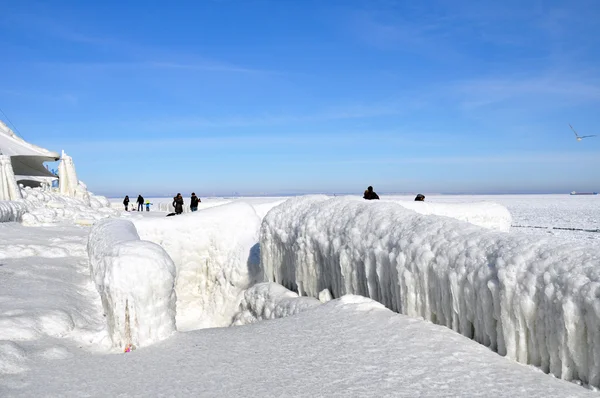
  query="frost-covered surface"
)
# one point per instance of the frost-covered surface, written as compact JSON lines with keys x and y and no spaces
{"x":564,"y":216}
{"x":135,"y":280}
{"x":12,"y":210}
{"x":9,"y":190}
{"x":47,"y":299}
{"x":484,"y":214}
{"x":533,"y":300}
{"x":271,"y":301}
{"x":350,"y":347}
{"x":216,"y":254}
{"x":50,"y":208}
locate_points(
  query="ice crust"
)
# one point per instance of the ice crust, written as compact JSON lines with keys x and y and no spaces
{"x":135,"y":280}
{"x":484,"y":214}
{"x":217,"y":258}
{"x":533,"y":300}
{"x":271,"y":301}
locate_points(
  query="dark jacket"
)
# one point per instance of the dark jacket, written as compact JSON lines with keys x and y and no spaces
{"x":140,"y":199}
{"x":370,"y":195}
{"x":126,"y":201}
{"x":194,"y":200}
{"x":178,"y":205}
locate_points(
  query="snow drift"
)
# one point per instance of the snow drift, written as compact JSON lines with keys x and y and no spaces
{"x":271,"y":301}
{"x":216,"y":254}
{"x":135,"y":280}
{"x":484,"y":214}
{"x":533,"y":300}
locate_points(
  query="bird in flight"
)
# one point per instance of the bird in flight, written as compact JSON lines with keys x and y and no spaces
{"x":578,"y":137}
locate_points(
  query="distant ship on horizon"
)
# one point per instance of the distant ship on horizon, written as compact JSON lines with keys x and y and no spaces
{"x":584,"y":193}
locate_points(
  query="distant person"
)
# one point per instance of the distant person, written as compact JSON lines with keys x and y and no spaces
{"x":148,"y":205}
{"x":370,"y":194}
{"x":126,"y":202}
{"x":140,"y":203}
{"x":420,"y":198}
{"x":194,"y":200}
{"x":178,"y":204}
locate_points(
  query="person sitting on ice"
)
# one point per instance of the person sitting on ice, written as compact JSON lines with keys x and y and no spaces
{"x":140,"y":203}
{"x":178,"y":204}
{"x":194,"y":200}
{"x":126,"y":202}
{"x":420,"y":198}
{"x":370,"y":194}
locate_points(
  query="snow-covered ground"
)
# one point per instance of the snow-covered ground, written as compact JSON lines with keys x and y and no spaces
{"x":55,"y":340}
{"x":347,"y":347}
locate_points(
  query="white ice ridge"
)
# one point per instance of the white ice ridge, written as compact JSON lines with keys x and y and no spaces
{"x":216,"y":254}
{"x":135,"y":280}
{"x":48,"y":208}
{"x":533,"y":300}
{"x":271,"y":301}
{"x":484,"y":214}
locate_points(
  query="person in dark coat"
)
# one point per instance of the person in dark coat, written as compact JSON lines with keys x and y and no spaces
{"x":178,"y":204}
{"x":126,"y":202}
{"x":370,"y":194}
{"x":420,"y":198}
{"x":140,"y":203}
{"x":194,"y":200}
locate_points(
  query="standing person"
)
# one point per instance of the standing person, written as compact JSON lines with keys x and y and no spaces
{"x":126,"y":202}
{"x":370,"y":194}
{"x":148,"y":205}
{"x":194,"y":200}
{"x":140,"y":203}
{"x":178,"y":204}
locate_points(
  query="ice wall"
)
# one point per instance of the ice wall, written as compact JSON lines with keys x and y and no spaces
{"x":534,"y":300}
{"x":484,"y":214}
{"x":216,"y":254}
{"x":135,"y":280}
{"x":271,"y":301}
{"x":9,"y":190}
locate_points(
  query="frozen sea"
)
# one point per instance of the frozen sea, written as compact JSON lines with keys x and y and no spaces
{"x":53,"y":340}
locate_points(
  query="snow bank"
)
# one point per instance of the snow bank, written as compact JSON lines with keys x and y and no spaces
{"x":49,"y":208}
{"x":533,"y":300}
{"x":135,"y":280}
{"x":271,"y":301}
{"x":484,"y":214}
{"x":11,"y":210}
{"x":216,"y":255}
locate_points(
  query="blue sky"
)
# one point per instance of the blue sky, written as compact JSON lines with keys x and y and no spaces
{"x":285,"y":96}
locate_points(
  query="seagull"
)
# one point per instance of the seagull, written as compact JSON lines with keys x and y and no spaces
{"x":579,"y":138}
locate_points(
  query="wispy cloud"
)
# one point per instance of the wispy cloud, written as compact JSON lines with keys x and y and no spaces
{"x":508,"y":158}
{"x":63,"y":98}
{"x":480,"y":92}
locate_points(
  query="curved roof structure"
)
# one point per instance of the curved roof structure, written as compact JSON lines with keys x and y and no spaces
{"x":27,"y":159}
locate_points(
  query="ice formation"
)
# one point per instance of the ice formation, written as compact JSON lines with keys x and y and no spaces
{"x":484,"y":214}
{"x":216,"y":254}
{"x":12,"y":211}
{"x":271,"y":301}
{"x":135,"y":280}
{"x":9,"y":190}
{"x":69,"y":185}
{"x":533,"y":300}
{"x":49,"y":208}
